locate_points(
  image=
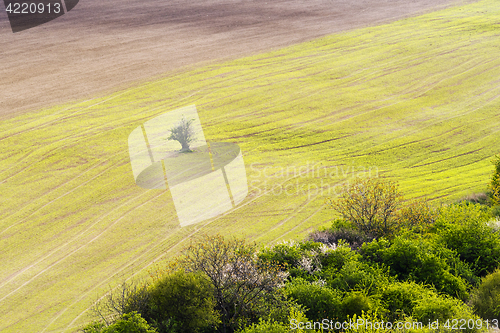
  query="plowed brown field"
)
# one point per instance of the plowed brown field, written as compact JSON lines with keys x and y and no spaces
{"x":104,"y":45}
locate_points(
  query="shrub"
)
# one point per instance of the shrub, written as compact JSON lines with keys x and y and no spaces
{"x":301,"y":259}
{"x":127,"y":323}
{"x":485,"y":300}
{"x":333,"y":261}
{"x":295,"y":316}
{"x":266,"y":326}
{"x":183,"y":302}
{"x":369,"y":322}
{"x":245,"y":288}
{"x":419,"y":261}
{"x":417,"y":215}
{"x":495,"y":182}
{"x":130,"y":323}
{"x":345,"y":270}
{"x":370,"y":204}
{"x":444,"y":309}
{"x":354,"y":238}
{"x":466,"y":230}
{"x":94,"y":327}
{"x":282,"y":313}
{"x":495,"y":211}
{"x":356,"y":275}
{"x":355,"y":303}
{"x":408,"y":303}
{"x":320,"y":301}
{"x":461,"y":213}
{"x":125,"y":298}
{"x":290,"y":253}
{"x":434,"y":307}
{"x":399,"y":298}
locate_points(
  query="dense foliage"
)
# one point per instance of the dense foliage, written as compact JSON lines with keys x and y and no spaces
{"x":465,"y":229}
{"x":385,"y":260}
{"x":128,"y":323}
{"x":486,"y":298}
{"x":495,"y":182}
{"x":182,"y":302}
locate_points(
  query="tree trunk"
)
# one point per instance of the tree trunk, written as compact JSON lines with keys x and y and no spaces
{"x":185,"y":147}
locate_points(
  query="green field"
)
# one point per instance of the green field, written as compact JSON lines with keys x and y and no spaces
{"x":417,"y":101}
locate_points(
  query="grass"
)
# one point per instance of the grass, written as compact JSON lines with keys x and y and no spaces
{"x":416,"y":101}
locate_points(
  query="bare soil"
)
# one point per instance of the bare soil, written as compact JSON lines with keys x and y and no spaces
{"x":105,"y":45}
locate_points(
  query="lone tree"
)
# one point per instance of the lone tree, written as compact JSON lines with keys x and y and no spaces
{"x":184,"y":133}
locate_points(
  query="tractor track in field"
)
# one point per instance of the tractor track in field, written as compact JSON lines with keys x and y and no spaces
{"x":13,"y":276}
{"x":75,"y":238}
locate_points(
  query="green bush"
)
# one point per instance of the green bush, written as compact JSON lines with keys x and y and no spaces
{"x":399,"y":298}
{"x":417,"y":216}
{"x":418,"y":260}
{"x":295,"y":315}
{"x":444,"y":309}
{"x":414,"y":305}
{"x":465,"y":229}
{"x":127,"y":323}
{"x":364,"y":323}
{"x":130,"y":323}
{"x":94,"y":327}
{"x":182,"y":302}
{"x":341,"y":230}
{"x":343,"y":269}
{"x":288,"y":254}
{"x":335,"y":260}
{"x":434,"y":307}
{"x":462,"y":212}
{"x":320,"y":301}
{"x":301,"y":259}
{"x":266,"y":327}
{"x":495,"y":182}
{"x":404,"y":300}
{"x":355,"y":303}
{"x":485,"y":300}
{"x":356,"y":275}
{"x":495,"y":211}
